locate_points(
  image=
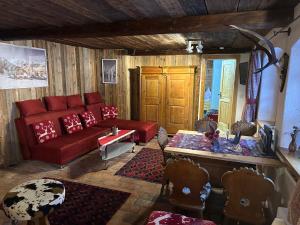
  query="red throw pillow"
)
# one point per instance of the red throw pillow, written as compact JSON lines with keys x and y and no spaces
{"x":89,"y":119}
{"x":74,"y":101}
{"x":72,"y":123}
{"x":92,"y":98}
{"x":44,"y":131}
{"x":109,"y":112}
{"x":31,"y":107}
{"x":56,"y":103}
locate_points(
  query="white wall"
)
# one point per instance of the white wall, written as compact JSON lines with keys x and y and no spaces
{"x":270,"y":85}
{"x":285,"y":106}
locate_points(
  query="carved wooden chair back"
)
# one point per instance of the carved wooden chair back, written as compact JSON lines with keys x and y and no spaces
{"x":246,"y":128}
{"x":162,"y":140}
{"x":188,"y":180}
{"x":205,"y":125}
{"x":247,"y":191}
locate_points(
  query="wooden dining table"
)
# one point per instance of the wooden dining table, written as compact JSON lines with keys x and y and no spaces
{"x":217,"y":163}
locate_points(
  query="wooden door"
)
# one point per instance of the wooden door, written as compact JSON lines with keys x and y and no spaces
{"x":226,"y":93}
{"x":153,"y":95}
{"x":179,"y":92}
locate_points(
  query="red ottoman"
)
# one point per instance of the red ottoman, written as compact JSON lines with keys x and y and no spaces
{"x":167,"y":218}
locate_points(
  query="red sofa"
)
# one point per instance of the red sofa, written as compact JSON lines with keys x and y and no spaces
{"x":67,"y":147}
{"x":145,"y":130}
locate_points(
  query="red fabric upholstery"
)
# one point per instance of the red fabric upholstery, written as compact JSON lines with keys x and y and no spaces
{"x":68,"y":147}
{"x":25,"y":132}
{"x":74,"y":101}
{"x":44,"y":131}
{"x":92,"y":98}
{"x":145,"y":131}
{"x":89,"y":119}
{"x":96,"y":110}
{"x":167,"y":218}
{"x":72,"y":123}
{"x":109,"y":112}
{"x":31,"y":107}
{"x":56,"y":103}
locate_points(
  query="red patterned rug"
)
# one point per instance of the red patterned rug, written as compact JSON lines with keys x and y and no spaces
{"x":146,"y":165}
{"x":86,"y":205}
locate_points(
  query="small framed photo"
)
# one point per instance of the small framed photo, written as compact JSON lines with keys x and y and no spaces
{"x":109,"y":71}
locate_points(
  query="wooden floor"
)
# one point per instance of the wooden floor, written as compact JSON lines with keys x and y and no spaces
{"x":143,"y":194}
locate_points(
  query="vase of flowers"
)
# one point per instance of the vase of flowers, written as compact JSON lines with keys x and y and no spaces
{"x":213,"y":136}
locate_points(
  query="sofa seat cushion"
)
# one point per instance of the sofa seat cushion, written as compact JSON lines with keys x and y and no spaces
{"x":145,"y":130}
{"x":67,"y":147}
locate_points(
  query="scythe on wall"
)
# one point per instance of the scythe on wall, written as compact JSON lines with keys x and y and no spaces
{"x":268,"y":50}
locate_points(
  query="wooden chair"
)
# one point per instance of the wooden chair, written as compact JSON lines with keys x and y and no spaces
{"x":190,"y":182}
{"x":163,"y":140}
{"x":247,"y":192}
{"x":205,"y":125}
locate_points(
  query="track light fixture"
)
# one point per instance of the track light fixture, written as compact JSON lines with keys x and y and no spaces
{"x":194,"y":45}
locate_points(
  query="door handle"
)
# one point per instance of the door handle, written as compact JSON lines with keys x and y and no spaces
{"x":220,"y":94}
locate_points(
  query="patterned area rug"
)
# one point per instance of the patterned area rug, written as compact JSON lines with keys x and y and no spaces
{"x":86,"y":205}
{"x":146,"y":165}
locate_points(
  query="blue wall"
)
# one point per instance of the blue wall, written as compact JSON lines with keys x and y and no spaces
{"x":216,"y":83}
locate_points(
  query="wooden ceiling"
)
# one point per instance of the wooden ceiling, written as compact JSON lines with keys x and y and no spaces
{"x":143,"y":26}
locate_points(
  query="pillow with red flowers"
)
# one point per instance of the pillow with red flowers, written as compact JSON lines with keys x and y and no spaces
{"x":72,"y":123}
{"x":109,"y":112}
{"x":44,"y":131}
{"x":88,"y":118}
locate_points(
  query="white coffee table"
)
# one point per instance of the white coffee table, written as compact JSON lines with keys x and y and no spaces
{"x":110,"y":145}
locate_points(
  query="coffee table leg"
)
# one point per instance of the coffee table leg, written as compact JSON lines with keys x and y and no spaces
{"x":132,"y":141}
{"x":105,"y":167}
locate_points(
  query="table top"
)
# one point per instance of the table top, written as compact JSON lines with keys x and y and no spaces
{"x":33,"y":199}
{"x":223,"y":156}
{"x":110,"y":138}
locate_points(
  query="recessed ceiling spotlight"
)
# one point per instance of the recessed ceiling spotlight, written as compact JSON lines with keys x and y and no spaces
{"x":221,"y":48}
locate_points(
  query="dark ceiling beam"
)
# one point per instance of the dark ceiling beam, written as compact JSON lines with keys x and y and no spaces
{"x":253,"y":20}
{"x":184,"y":52}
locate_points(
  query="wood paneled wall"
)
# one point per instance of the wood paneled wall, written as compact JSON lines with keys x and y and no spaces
{"x":71,"y":70}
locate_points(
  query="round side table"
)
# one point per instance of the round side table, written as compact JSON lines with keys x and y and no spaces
{"x":33,"y":200}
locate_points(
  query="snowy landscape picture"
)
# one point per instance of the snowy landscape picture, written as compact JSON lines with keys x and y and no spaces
{"x":22,"y":67}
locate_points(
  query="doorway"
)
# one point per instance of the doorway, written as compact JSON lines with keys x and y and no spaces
{"x":219,"y":90}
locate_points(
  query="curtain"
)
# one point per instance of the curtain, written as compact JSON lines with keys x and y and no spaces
{"x":252,"y":87}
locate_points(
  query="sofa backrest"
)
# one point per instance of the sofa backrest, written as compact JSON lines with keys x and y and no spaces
{"x":25,"y":131}
{"x":96,"y":110}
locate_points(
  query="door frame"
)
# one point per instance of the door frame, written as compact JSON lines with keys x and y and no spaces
{"x":236,"y":81}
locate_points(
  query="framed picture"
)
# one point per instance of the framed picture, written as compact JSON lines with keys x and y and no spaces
{"x":22,"y":67}
{"x":109,"y":71}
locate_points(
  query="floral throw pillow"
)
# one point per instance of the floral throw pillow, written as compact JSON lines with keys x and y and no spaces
{"x":72,"y":123}
{"x":109,"y":112}
{"x":89,"y":119}
{"x":44,"y":131}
